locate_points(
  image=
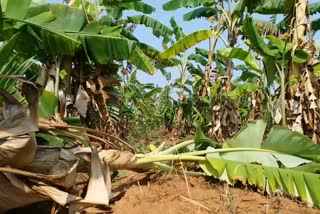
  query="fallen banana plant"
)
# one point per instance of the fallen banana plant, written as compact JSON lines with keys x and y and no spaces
{"x":285,"y":162}
{"x":18,"y":127}
{"x":77,"y":135}
{"x":31,"y":174}
{"x":52,"y":168}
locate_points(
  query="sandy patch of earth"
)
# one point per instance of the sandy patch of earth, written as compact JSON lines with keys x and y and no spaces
{"x":171,"y":193}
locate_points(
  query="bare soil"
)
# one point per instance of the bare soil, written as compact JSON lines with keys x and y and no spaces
{"x":157,"y":193}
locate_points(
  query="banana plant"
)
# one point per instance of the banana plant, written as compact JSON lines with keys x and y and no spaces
{"x":294,"y":29}
{"x":62,"y":36}
{"x":165,"y":108}
{"x":138,"y":103}
{"x":223,"y":22}
{"x":274,"y":58}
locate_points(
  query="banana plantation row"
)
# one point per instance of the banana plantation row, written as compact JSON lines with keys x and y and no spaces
{"x":83,"y":59}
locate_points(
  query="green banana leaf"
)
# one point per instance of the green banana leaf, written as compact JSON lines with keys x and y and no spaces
{"x":46,"y":22}
{"x":176,"y":4}
{"x":241,"y":54}
{"x":266,"y":6}
{"x":187,"y":42}
{"x":279,"y":165}
{"x":199,"y":13}
{"x":158,"y":29}
{"x":48,"y":102}
{"x":273,"y":6}
{"x":116,"y":2}
{"x":7,"y":48}
{"x":285,"y":161}
{"x":266,"y":26}
{"x":177,"y":30}
{"x":314,"y":8}
{"x":242,"y":90}
{"x":67,"y":19}
{"x":256,"y":40}
{"x":269,"y":179}
{"x":316,"y":70}
{"x":198,"y":58}
{"x":137,"y":6}
{"x":315,"y":25}
{"x":142,"y":61}
{"x":283,"y":140}
{"x":56,"y":29}
{"x":103,"y":49}
{"x":269,"y":68}
{"x":15,"y":9}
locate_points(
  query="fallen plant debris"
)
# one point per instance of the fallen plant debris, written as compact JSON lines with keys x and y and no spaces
{"x":269,"y":167}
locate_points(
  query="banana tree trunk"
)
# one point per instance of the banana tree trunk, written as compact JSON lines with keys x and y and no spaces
{"x":303,"y":89}
{"x":179,"y":123}
{"x":299,"y":31}
{"x":205,"y":86}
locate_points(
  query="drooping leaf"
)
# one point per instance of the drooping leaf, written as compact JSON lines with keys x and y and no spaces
{"x":198,"y":58}
{"x":103,"y":49}
{"x":315,"y":25}
{"x":114,"y":31}
{"x":142,"y":61}
{"x":264,"y":158}
{"x":202,"y":52}
{"x":241,"y":54}
{"x":7,"y":49}
{"x":73,"y":121}
{"x":290,"y":162}
{"x":186,"y":43}
{"x":51,"y":139}
{"x":266,"y":27}
{"x":176,"y":4}
{"x":177,"y":30}
{"x":312,"y":168}
{"x":256,"y":40}
{"x":284,"y":140}
{"x":269,"y":68}
{"x":55,"y":43}
{"x":283,"y":46}
{"x":116,"y":2}
{"x":269,"y":169}
{"x":137,"y":6}
{"x":45,"y":23}
{"x":158,"y":28}
{"x":267,"y":7}
{"x":199,"y":13}
{"x":153,"y":53}
{"x":314,"y":8}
